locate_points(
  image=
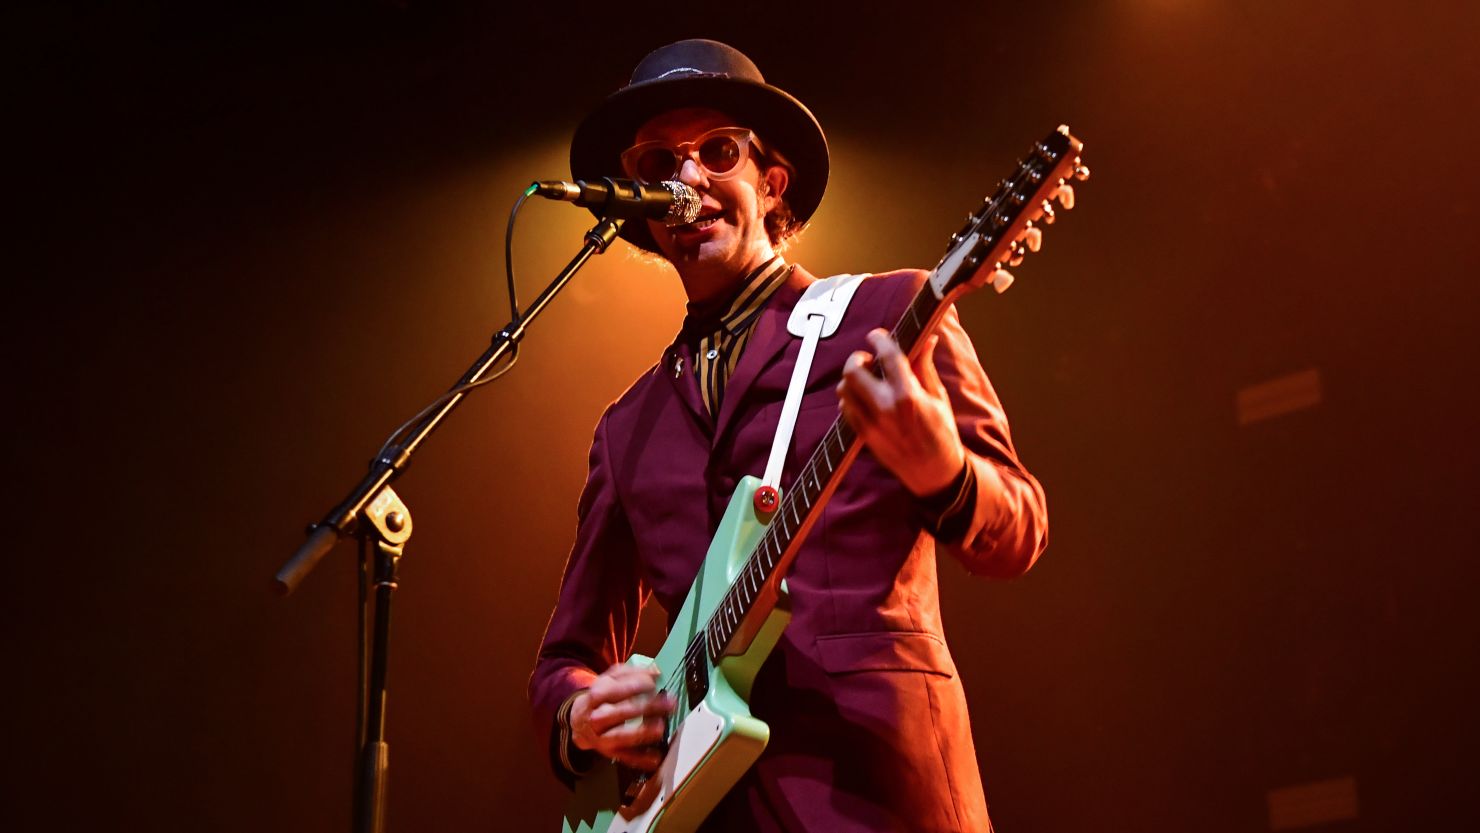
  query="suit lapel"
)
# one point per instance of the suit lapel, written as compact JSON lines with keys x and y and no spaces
{"x":767,"y":340}
{"x":685,"y":386}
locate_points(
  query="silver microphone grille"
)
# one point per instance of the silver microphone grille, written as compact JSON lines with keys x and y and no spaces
{"x":685,"y":208}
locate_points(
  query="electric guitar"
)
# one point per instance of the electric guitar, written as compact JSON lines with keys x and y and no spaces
{"x":737,"y":607}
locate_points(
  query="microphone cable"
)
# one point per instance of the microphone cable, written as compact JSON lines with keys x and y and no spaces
{"x":515,"y":315}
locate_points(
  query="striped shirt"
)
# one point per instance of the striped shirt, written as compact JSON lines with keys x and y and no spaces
{"x":719,"y":330}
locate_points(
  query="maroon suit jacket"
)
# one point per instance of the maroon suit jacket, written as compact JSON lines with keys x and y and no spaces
{"x":868,"y":719}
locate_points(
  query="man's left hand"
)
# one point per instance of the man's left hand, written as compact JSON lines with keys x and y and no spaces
{"x":901,"y":411}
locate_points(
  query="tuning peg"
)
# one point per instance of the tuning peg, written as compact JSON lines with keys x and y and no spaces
{"x":1065,"y":195}
{"x":1048,"y":215}
{"x":1033,"y":237}
{"x":1081,"y":172}
{"x":1000,"y":280}
{"x":1015,"y":254}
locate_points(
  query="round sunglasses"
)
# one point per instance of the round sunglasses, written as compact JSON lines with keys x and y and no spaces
{"x":720,"y":152}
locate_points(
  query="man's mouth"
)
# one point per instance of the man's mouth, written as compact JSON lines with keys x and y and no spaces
{"x":703,"y":221}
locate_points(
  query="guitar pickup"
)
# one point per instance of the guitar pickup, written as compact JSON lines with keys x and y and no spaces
{"x":696,"y":678}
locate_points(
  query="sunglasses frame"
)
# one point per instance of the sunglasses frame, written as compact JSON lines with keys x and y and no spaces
{"x":683,"y":151}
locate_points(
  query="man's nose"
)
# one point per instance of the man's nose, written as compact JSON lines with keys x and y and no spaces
{"x":691,"y":174}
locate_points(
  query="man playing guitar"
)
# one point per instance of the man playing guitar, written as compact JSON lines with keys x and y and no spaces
{"x":868,"y":722}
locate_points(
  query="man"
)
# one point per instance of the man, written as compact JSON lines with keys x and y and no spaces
{"x":868,"y":719}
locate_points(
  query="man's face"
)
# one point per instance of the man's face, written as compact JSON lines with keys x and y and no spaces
{"x":729,"y":237}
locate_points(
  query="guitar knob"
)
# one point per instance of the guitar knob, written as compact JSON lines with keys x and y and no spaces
{"x":765,"y":499}
{"x":1015,"y":255}
{"x":1048,"y":216}
{"x":1033,"y":238}
{"x":1000,"y":280}
{"x":1065,"y":195}
{"x":1081,"y":172}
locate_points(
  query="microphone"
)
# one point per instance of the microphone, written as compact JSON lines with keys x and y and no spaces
{"x":674,"y":203}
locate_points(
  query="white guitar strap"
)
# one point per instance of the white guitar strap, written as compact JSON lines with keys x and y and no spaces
{"x":816,"y":316}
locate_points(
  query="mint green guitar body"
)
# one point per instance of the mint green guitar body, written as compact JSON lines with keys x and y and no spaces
{"x":711,"y":742}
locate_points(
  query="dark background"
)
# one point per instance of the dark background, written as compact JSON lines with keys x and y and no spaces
{"x":248,"y":241}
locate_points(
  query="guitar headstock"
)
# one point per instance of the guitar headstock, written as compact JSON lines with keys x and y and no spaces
{"x":1009,"y":224}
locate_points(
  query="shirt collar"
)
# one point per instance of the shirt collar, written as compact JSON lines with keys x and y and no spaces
{"x":733,"y":311}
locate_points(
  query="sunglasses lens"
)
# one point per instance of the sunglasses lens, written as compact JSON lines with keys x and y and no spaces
{"x":655,"y":165}
{"x":719,"y":154}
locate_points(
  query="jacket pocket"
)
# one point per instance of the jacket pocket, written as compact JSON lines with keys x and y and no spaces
{"x":885,"y":651}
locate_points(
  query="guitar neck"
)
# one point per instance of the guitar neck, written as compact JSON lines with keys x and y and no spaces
{"x":755,"y":591}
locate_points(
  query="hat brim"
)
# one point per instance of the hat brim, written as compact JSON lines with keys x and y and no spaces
{"x":779,"y":119}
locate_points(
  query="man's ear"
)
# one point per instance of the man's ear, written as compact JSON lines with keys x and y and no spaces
{"x":776,"y":178}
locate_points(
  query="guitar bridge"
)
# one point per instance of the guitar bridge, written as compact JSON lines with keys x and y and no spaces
{"x":631,"y":782}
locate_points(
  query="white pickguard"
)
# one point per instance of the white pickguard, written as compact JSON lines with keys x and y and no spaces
{"x":696,"y":736}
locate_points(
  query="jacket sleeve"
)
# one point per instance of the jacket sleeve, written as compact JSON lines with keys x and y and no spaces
{"x":596,"y":614}
{"x":1000,"y":525}
{"x":994,"y":518}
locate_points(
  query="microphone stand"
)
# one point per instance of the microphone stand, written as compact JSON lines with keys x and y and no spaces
{"x":376,"y":515}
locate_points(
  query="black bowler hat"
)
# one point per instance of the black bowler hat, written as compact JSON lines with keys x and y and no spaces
{"x":703,"y":73}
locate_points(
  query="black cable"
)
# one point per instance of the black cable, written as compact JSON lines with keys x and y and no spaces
{"x":509,"y":251}
{"x":512,"y":356}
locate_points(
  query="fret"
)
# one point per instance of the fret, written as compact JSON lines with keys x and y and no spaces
{"x":911,"y":326}
{"x":907,"y":329}
{"x":825,"y":458}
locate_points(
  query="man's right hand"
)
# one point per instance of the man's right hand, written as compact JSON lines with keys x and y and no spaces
{"x":599,"y":716}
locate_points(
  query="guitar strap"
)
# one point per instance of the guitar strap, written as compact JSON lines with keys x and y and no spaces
{"x":815,"y":317}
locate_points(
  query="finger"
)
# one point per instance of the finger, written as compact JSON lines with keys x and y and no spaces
{"x":643,"y":758}
{"x":607,"y":715}
{"x":647,"y":731}
{"x":890,"y":359}
{"x":629,"y":670}
{"x":924,"y":367}
{"x":858,"y":373}
{"x":860,"y":410}
{"x":617,"y":685}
